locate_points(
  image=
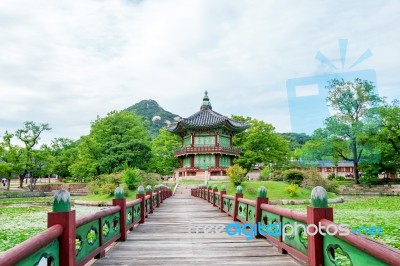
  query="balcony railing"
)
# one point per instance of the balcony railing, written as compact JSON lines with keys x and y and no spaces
{"x":206,"y":149}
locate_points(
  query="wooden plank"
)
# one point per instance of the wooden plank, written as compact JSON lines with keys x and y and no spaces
{"x":168,"y":237}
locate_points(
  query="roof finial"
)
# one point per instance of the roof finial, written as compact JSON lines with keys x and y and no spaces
{"x":206,"y":102}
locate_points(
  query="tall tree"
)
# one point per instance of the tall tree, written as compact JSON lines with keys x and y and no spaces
{"x":115,"y":141}
{"x":12,"y":161}
{"x":30,"y":136}
{"x":163,"y":160}
{"x":260,"y":144}
{"x":351,"y":102}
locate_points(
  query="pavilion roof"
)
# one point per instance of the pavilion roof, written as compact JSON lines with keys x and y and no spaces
{"x":207,"y":118}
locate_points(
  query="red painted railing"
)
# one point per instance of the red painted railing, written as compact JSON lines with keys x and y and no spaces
{"x":63,"y":228}
{"x":207,"y":149}
{"x":318,"y":251}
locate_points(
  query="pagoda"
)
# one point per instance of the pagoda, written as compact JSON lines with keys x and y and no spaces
{"x":206,"y":150}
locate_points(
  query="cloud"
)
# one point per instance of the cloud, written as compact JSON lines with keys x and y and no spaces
{"x":67,"y":62}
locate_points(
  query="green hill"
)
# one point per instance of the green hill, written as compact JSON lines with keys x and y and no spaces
{"x":154,"y":115}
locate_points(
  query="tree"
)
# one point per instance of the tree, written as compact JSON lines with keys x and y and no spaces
{"x":30,"y":136}
{"x":386,"y":140}
{"x":260,"y":144}
{"x":11,"y":159}
{"x":351,"y":101}
{"x":116,"y":141}
{"x":163,"y":160}
{"x":236,"y":174}
{"x":64,"y":151}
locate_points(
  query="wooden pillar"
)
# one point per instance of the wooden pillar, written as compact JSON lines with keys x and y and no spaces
{"x":221,"y":202}
{"x":64,"y":216}
{"x":215,"y":192}
{"x":261,"y":199}
{"x":318,"y":210}
{"x":142,"y":196}
{"x":149,"y":191}
{"x":238,"y":195}
{"x":191,"y":161}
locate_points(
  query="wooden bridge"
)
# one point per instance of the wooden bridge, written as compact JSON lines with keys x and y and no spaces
{"x":189,"y":229}
{"x":168,"y":237}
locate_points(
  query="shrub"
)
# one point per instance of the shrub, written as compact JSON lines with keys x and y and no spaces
{"x":150,"y":178}
{"x":276,"y":175}
{"x":340,"y":178}
{"x":236,"y":174}
{"x":331,"y":176}
{"x":264,"y":175}
{"x":132,"y":178}
{"x":293,"y":176}
{"x":313,"y":179}
{"x":104,"y":184}
{"x":292,"y":189}
{"x":251,"y":190}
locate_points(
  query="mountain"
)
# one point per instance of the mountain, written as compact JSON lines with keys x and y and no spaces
{"x":154,"y":115}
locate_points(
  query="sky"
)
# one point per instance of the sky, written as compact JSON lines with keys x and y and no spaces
{"x":67,"y":62}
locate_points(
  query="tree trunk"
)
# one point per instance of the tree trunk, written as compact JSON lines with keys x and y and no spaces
{"x":355,"y":160}
{"x":21,"y":181}
{"x":8,"y":183}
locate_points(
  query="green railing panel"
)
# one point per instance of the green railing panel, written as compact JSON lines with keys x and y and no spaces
{"x":217,"y":202}
{"x":44,"y":255}
{"x":270,"y":218}
{"x":226,"y":205}
{"x":298,"y":238}
{"x":110,"y":226}
{"x":154,"y":200}
{"x":231,"y":206}
{"x":87,"y":239}
{"x":338,"y":252}
{"x":147,"y":205}
{"x":136,"y":212}
{"x":129,"y":215}
{"x":251,"y":213}
{"x":242,"y":210}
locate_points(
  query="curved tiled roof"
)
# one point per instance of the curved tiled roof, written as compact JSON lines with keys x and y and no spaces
{"x":207,"y":118}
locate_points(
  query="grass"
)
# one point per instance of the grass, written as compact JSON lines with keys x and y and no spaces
{"x":20,"y":220}
{"x":368,"y":211}
{"x":275,"y":190}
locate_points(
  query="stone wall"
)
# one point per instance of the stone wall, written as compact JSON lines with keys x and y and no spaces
{"x":52,"y":187}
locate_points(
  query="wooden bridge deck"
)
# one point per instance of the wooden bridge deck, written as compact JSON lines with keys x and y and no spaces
{"x":164,"y":239}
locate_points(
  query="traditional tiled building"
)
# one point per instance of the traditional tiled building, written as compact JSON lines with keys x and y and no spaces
{"x":206,"y":149}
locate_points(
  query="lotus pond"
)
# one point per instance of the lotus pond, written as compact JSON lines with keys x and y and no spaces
{"x":368,"y":211}
{"x":20,"y":221}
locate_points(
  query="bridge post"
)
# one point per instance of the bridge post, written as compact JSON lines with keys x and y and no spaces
{"x":161,"y":193}
{"x":261,"y":199}
{"x":238,"y":195}
{"x":120,"y":200}
{"x":221,"y":201}
{"x":141,"y":195}
{"x":209,"y":192}
{"x":318,"y":210}
{"x":155,"y":189}
{"x":215,"y":191}
{"x":64,"y":216}
{"x":149,"y":191}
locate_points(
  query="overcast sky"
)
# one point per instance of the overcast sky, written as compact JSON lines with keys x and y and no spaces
{"x":65,"y":62}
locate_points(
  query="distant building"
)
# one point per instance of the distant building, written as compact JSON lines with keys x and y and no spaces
{"x":206,"y":149}
{"x":342,"y":168}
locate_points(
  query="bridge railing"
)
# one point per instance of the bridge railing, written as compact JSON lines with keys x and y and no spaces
{"x":311,"y":237}
{"x":70,"y":241}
